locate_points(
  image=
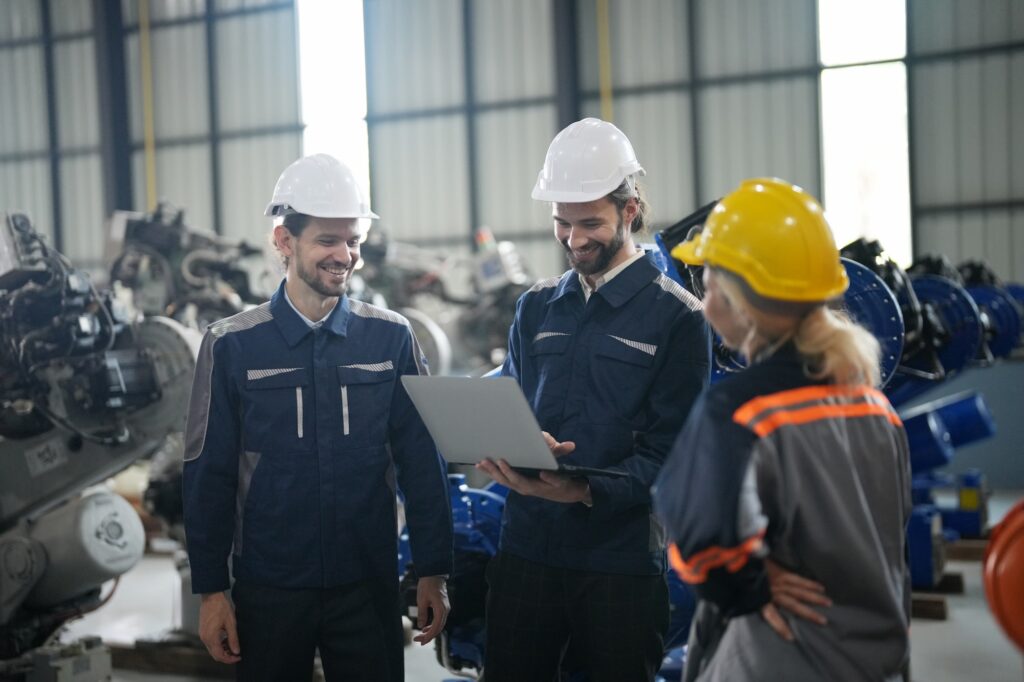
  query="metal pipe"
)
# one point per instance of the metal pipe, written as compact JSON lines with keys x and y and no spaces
{"x":148,"y":136}
{"x":604,"y":62}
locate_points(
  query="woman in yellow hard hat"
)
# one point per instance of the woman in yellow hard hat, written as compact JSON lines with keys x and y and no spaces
{"x":787,"y":493}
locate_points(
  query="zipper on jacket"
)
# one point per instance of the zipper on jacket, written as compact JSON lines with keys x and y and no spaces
{"x":298,"y":411}
{"x":344,"y":410}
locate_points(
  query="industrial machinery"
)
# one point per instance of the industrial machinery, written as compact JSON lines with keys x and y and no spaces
{"x":460,"y":306}
{"x":85,"y":390}
{"x":175,"y":271}
{"x":949,"y":327}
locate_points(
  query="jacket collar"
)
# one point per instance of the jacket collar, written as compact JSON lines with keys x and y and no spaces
{"x":617,"y":292}
{"x":294,"y":329}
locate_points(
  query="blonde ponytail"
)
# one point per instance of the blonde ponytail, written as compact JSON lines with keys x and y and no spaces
{"x":837,"y":349}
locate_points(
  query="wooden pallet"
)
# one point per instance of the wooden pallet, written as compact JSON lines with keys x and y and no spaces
{"x":926,"y":606}
{"x":931,"y":604}
{"x":177,"y":655}
{"x":967,"y":549}
{"x":170,"y":658}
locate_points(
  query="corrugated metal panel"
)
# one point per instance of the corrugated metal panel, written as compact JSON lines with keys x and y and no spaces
{"x":23,"y":104}
{"x":162,"y":9}
{"x":967,"y":115}
{"x":77,"y":108}
{"x":759,"y":129}
{"x":70,"y":16}
{"x":996,"y":237}
{"x":514,"y":49}
{"x":659,"y":127}
{"x":25,"y":188}
{"x":938,"y":25}
{"x":415,"y":54}
{"x":511,"y":145}
{"x":648,"y":42}
{"x":228,"y":5}
{"x":19,"y":19}
{"x":543,"y":257}
{"x":249,"y":169}
{"x":752,"y":36}
{"x":179,"y":81}
{"x":256,"y":70}
{"x":1015,"y":140}
{"x":81,"y":199}
{"x":423,"y":189}
{"x":183,"y":179}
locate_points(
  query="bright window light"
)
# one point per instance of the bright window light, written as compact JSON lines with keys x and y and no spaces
{"x":867,"y":174}
{"x":333,"y":82}
{"x":862,"y":31}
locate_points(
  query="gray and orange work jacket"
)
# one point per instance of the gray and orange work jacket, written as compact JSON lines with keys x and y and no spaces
{"x":814,"y":476}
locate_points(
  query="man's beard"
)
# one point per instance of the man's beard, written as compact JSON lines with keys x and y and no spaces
{"x":605,"y":253}
{"x":314,"y":282}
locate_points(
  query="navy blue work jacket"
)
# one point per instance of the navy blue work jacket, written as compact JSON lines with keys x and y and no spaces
{"x":295,"y":439}
{"x":617,"y":375}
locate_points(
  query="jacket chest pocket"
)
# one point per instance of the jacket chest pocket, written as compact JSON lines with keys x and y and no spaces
{"x":365,"y":392}
{"x":550,"y":380}
{"x":620,"y":373}
{"x":275,"y":415}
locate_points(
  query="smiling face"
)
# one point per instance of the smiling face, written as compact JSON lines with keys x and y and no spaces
{"x":323,"y":256}
{"x":594,"y":234}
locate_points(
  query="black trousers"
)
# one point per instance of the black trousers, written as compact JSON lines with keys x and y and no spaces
{"x":542,"y":619}
{"x":356,"y":627}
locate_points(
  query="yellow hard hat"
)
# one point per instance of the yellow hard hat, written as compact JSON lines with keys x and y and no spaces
{"x":774,"y":235}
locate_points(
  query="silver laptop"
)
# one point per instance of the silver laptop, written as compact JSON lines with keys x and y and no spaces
{"x":476,"y":419}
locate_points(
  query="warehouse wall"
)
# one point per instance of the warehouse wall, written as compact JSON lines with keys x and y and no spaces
{"x":966,"y":81}
{"x":226,"y":115}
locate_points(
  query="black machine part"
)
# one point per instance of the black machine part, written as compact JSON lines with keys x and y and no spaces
{"x":684,"y":230}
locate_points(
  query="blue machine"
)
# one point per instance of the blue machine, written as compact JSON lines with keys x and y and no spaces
{"x":934,"y":430}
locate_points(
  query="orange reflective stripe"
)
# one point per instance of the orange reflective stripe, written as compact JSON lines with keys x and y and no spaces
{"x":732,"y":558}
{"x":818,"y":412}
{"x":750,"y":409}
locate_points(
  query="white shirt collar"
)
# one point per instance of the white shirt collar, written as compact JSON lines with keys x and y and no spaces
{"x":310,"y":323}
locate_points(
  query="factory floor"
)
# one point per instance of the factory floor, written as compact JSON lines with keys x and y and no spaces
{"x":967,"y":646}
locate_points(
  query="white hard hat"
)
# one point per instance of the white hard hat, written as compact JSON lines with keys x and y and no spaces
{"x":586,"y":161}
{"x":320,"y":186}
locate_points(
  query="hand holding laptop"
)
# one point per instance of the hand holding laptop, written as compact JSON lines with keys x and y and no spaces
{"x":476,"y":420}
{"x":548,"y":485}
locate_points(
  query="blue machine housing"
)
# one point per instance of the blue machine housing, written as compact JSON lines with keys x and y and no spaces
{"x":872,"y":304}
{"x":961,"y":321}
{"x":934,"y":430}
{"x":1003,"y":316}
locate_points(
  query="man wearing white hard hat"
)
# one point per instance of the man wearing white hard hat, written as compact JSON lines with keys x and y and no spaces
{"x":611,"y":355}
{"x":298,"y":434}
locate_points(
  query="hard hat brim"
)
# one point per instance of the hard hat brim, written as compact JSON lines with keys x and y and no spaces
{"x":272,"y":210}
{"x":687,"y":252}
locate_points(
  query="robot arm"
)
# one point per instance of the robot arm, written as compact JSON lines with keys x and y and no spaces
{"x":84,"y":391}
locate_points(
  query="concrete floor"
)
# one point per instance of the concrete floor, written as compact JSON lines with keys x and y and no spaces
{"x":967,"y":646}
